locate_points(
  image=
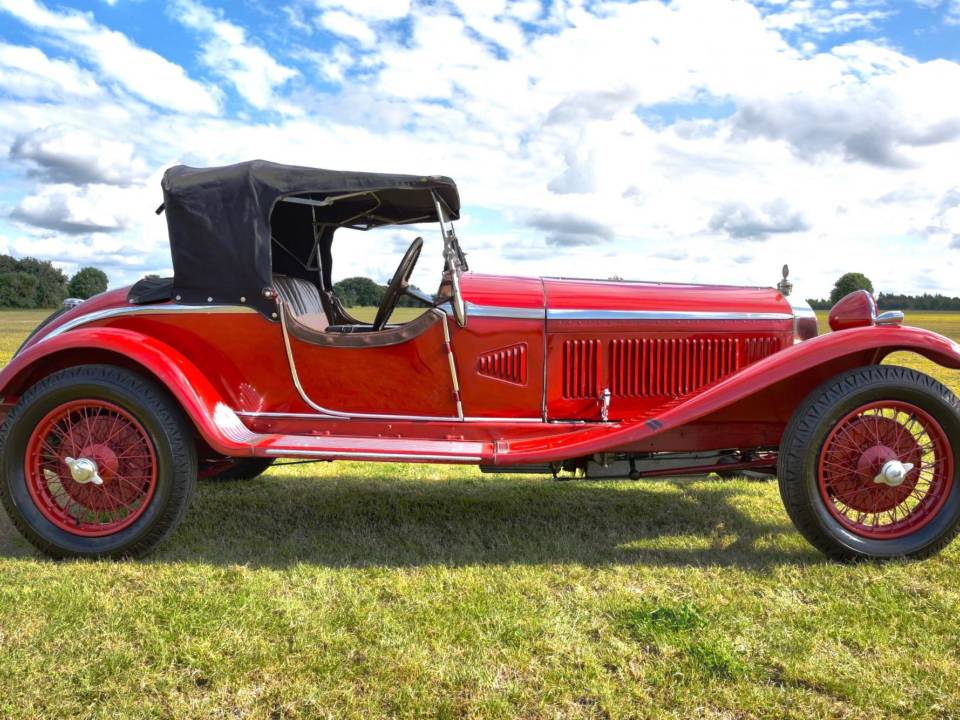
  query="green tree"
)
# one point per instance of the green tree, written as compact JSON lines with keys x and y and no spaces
{"x":51,"y":282}
{"x":359,"y":291}
{"x":48,"y":288}
{"x":848,"y":283}
{"x":88,"y":281}
{"x":18,"y":289}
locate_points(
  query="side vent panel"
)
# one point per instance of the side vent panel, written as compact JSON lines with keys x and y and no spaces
{"x":581,"y":369}
{"x":508,"y":364}
{"x":671,"y":367}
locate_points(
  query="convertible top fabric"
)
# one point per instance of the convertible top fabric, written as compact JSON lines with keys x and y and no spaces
{"x":219,"y":219}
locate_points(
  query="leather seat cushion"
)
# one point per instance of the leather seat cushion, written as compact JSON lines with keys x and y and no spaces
{"x":302,"y":300}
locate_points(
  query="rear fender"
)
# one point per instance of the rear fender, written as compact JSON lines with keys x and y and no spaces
{"x":214,"y":420}
{"x":768,"y":390}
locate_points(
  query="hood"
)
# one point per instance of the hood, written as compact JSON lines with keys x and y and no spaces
{"x":573,"y":298}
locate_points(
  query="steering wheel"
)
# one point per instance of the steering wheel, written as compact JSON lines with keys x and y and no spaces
{"x":399,"y":283}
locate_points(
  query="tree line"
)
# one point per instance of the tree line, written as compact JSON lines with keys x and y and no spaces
{"x":31,"y":283}
{"x":849,"y":282}
{"x":364,"y":292}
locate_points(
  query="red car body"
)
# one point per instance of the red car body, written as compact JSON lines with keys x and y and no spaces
{"x":532,"y":374}
{"x":530,"y":364}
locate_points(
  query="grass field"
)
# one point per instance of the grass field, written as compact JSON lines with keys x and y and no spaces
{"x":361,"y":590}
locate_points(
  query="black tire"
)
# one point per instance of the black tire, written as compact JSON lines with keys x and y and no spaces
{"x":166,"y":428}
{"x":242,"y":469}
{"x":803,"y":440}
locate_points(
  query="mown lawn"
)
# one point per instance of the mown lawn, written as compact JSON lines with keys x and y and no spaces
{"x":361,"y":590}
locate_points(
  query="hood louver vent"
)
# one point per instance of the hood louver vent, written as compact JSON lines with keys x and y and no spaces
{"x":657,"y":367}
{"x":509,"y":364}
{"x":581,"y":369}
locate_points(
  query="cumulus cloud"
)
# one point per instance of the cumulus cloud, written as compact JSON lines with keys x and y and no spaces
{"x":577,"y":178}
{"x":743,"y":222}
{"x":65,"y":154}
{"x":544,"y":113}
{"x":568,"y":230}
{"x":142,"y":72}
{"x":345,"y":24}
{"x":825,"y":18}
{"x":231,"y":54}
{"x":370,"y":9}
{"x":61,"y":210}
{"x":868,"y":132}
{"x":28,"y":72}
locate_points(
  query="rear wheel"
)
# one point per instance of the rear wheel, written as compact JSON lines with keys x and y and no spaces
{"x":96,"y":461}
{"x":868,"y":465}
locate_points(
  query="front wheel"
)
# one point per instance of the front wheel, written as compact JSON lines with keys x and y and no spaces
{"x":868,"y":465}
{"x":96,"y":461}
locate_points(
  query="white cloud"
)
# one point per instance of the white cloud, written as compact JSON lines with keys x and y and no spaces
{"x":68,"y":154}
{"x":347,"y":25}
{"x":69,"y":210}
{"x":28,"y":72}
{"x":677,"y":140}
{"x":141,"y":72}
{"x":250,"y":69}
{"x":952,"y":13}
{"x":369,"y":9}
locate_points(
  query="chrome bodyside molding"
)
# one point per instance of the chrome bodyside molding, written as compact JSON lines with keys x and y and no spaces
{"x":373,"y":454}
{"x":315,"y":416}
{"x":146,"y":310}
{"x":493,"y":311}
{"x":661,"y":315}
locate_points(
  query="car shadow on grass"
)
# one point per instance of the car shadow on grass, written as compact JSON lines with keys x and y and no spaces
{"x":352,"y":519}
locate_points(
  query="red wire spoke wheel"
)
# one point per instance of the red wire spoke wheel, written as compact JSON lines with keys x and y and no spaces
{"x":886,"y":470}
{"x":867,"y":467}
{"x":90,"y":467}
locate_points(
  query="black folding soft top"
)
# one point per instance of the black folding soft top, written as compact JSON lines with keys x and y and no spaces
{"x":219,"y":219}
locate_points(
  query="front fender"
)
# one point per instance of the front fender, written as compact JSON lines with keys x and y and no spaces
{"x":216,"y":422}
{"x":845,"y":349}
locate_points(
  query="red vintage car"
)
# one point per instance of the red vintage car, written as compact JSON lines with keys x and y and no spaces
{"x":113,"y":407}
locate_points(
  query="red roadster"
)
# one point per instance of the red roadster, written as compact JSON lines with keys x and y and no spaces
{"x":245,"y":355}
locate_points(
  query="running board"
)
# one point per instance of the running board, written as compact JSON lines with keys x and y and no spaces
{"x":374,"y":449}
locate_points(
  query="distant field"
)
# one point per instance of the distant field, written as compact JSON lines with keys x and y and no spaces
{"x":353,"y":590}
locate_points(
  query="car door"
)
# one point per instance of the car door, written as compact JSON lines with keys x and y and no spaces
{"x":401,"y":372}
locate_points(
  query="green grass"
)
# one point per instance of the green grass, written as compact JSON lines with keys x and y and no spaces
{"x":360,"y":590}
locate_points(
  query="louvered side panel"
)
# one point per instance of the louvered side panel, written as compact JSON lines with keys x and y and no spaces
{"x":581,"y":369}
{"x":508,"y":364}
{"x":758,"y":348}
{"x":670,"y":367}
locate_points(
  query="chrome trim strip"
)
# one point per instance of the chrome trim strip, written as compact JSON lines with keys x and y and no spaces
{"x":170,"y":309}
{"x":314,"y":416}
{"x":372,"y":454}
{"x":335,"y":413}
{"x":493,"y":311}
{"x":661,"y":315}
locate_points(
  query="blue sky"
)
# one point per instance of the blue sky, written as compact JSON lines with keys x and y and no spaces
{"x":706,"y":141}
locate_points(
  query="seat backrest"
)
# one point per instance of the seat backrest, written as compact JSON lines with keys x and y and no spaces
{"x":302,"y":300}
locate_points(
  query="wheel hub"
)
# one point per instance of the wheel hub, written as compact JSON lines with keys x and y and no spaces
{"x":84,"y":470}
{"x":893,"y":473}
